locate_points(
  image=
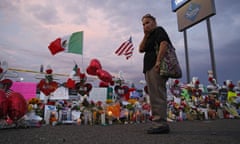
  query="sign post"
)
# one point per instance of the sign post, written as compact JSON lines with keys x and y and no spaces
{"x":190,"y":13}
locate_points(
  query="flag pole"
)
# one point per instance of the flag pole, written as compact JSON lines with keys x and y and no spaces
{"x":84,"y":69}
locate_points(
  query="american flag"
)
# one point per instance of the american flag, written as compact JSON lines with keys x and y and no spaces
{"x":126,"y":48}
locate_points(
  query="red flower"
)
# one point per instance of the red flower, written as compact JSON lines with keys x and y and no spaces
{"x":194,"y":90}
{"x":82,"y":75}
{"x":210,"y":79}
{"x":99,"y":103}
{"x":197,"y":82}
{"x":176,"y":82}
{"x":231,"y":85}
{"x":49,"y":71}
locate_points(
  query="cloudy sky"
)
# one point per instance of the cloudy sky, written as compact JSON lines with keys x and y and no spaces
{"x":28,"y":26}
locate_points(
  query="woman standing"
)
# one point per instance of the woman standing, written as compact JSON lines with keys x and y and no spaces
{"x":154,"y":45}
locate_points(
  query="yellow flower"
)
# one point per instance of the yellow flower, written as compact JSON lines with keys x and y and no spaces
{"x":132,"y":101}
{"x":30,"y":107}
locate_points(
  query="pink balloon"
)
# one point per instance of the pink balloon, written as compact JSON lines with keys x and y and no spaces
{"x":3,"y":104}
{"x":17,"y":106}
{"x":93,"y":67}
{"x":104,"y":75}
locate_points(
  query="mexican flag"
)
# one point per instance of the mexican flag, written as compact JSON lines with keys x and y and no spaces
{"x":71,"y":44}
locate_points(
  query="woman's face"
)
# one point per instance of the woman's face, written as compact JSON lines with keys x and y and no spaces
{"x":148,"y":25}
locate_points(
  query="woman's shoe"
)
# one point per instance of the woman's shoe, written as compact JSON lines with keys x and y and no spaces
{"x":164,"y":129}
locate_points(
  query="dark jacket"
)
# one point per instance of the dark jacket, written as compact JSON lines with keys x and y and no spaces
{"x":153,"y":41}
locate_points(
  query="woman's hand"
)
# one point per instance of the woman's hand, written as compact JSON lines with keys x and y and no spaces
{"x":142,"y":44}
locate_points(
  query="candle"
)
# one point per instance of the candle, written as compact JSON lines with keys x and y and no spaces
{"x":110,"y":117}
{"x":103,"y":122}
{"x":94,"y":117}
{"x":79,"y":121}
{"x":85,"y":113}
{"x":137,"y":116}
{"x":126,"y":115}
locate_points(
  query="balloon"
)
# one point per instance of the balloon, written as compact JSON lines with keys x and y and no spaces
{"x":112,"y":83}
{"x":91,"y":70}
{"x":3,"y":104}
{"x":93,"y":67}
{"x":103,"y":84}
{"x":17,"y":106}
{"x":104,"y":75}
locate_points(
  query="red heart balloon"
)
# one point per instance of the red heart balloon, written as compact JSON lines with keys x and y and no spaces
{"x":93,"y":67}
{"x":17,"y":106}
{"x":3,"y":104}
{"x":104,"y":75}
{"x":103,"y":84}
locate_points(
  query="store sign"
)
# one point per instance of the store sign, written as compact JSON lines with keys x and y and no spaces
{"x":176,"y":4}
{"x":194,"y":12}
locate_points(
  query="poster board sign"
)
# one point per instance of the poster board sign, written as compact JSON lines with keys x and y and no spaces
{"x":194,"y":12}
{"x":98,"y":94}
{"x":60,"y":93}
{"x":27,"y":89}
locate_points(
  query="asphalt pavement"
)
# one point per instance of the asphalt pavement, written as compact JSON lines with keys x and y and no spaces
{"x":220,"y":131}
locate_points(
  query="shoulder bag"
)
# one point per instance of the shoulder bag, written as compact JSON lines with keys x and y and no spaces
{"x":169,"y":65}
